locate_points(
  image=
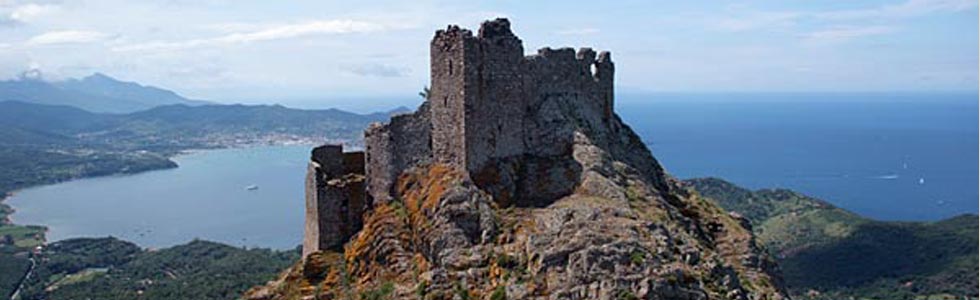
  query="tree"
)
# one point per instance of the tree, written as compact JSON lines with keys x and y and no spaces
{"x":424,"y":93}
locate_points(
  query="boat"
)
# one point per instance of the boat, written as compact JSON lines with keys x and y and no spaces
{"x":251,"y":187}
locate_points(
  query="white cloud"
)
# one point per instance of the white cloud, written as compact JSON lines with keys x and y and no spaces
{"x":67,"y":37}
{"x":910,"y":8}
{"x":757,"y":20}
{"x":846,"y":33}
{"x":752,"y":20}
{"x":309,"y":28}
{"x":232,"y":27}
{"x":378,"y":70}
{"x":31,"y":11}
{"x":578,"y":31}
{"x":267,"y":34}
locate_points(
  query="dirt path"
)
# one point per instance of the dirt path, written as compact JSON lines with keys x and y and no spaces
{"x":27,"y":276}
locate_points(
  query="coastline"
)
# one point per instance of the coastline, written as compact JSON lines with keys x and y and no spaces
{"x":7,"y":210}
{"x":5,"y":207}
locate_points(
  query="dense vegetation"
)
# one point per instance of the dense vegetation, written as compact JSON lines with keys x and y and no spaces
{"x":23,"y":167}
{"x":829,"y":253}
{"x":107,"y":268}
{"x":15,"y":243}
{"x":14,"y":267}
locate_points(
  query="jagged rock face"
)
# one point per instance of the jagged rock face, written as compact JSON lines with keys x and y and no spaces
{"x":590,"y":214}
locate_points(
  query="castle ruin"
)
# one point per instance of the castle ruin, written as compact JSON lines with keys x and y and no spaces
{"x":490,"y":113}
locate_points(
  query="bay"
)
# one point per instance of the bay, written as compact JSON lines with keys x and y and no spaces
{"x":205,"y":198}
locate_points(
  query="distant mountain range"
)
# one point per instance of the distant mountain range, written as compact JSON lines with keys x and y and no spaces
{"x":201,"y":125}
{"x":58,"y":130}
{"x":97,"y":93}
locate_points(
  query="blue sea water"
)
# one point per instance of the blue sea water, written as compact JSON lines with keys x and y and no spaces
{"x":205,"y":198}
{"x":887,"y":156}
{"x":909,"y":156}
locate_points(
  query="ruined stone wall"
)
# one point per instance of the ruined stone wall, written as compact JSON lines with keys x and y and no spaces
{"x":566,"y":83}
{"x":335,"y":197}
{"x":378,"y":161}
{"x":394,"y":147}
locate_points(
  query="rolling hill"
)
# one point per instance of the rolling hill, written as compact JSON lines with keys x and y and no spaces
{"x":827,"y":252}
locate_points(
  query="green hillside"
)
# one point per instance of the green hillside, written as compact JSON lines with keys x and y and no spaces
{"x":107,"y":268}
{"x":826,"y":252}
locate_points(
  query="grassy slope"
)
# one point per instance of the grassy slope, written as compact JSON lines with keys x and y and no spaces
{"x":840,"y":254}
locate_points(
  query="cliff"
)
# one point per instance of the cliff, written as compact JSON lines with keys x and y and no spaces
{"x":514,"y":180}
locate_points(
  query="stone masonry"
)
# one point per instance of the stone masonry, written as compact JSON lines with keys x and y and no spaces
{"x":491,"y":112}
{"x":335,"y":197}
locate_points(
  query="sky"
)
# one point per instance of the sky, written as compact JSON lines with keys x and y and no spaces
{"x":312,"y":53}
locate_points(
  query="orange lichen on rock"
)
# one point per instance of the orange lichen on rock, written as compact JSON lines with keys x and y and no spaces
{"x":421,"y":190}
{"x":320,"y":274}
{"x":383,"y":248}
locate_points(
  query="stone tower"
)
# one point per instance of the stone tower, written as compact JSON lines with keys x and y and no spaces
{"x":479,"y":95}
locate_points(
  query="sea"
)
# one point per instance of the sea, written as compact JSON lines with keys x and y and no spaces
{"x":887,"y":156}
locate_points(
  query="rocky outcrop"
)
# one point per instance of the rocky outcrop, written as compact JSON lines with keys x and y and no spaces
{"x":516,"y":180}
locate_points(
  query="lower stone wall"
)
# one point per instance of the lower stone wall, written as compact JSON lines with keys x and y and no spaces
{"x":311,"y":233}
{"x":335,"y":198}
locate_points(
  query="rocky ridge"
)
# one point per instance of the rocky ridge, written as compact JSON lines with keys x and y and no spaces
{"x":514,"y":180}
